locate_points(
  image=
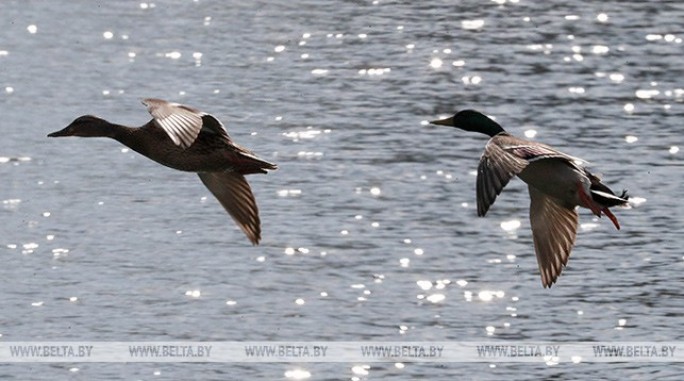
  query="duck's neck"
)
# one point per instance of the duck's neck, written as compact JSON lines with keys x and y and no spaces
{"x":131,"y":137}
{"x":489,"y":127}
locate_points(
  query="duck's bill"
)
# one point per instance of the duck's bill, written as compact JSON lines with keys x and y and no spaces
{"x":449,"y":122}
{"x":57,"y":134}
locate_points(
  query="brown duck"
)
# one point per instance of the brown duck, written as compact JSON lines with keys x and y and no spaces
{"x":187,"y":139}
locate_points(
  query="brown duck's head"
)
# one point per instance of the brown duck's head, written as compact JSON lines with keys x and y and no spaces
{"x":471,"y":120}
{"x":84,"y":126}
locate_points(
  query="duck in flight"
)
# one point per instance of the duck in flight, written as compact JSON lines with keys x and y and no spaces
{"x":557,"y":184}
{"x":187,"y":139}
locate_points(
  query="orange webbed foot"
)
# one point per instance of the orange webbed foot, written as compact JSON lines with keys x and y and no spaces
{"x":612,"y":217}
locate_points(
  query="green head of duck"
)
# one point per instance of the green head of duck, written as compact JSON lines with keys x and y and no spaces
{"x":471,"y":120}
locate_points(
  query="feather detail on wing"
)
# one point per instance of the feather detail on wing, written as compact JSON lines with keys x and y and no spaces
{"x":554,"y":228}
{"x":180,"y":122}
{"x":537,"y":151}
{"x":235,"y":195}
{"x":495,"y":170}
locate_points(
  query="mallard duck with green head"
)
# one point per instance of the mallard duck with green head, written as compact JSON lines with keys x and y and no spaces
{"x":558,"y":183}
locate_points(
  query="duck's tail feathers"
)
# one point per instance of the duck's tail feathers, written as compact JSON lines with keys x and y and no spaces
{"x":249,"y":164}
{"x":609,"y":199}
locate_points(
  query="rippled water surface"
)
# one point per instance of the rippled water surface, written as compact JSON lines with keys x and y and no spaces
{"x":369,"y":226}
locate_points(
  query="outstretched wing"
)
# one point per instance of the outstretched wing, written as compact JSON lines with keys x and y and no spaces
{"x":554,"y":228}
{"x":235,"y":195}
{"x":506,"y":156}
{"x":496,"y":168}
{"x":536,"y":151}
{"x":180,"y":122}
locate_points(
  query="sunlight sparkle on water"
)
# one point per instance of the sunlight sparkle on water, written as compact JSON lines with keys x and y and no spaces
{"x":471,"y":80}
{"x":600,"y":49}
{"x":616,"y":77}
{"x":374,"y":71}
{"x":472,"y":24}
{"x":588,"y":226}
{"x":297,"y":374}
{"x":487,"y":295}
{"x":510,"y":225}
{"x":308,"y":133}
{"x":436,"y":63}
{"x":436,"y":298}
{"x":360,"y":370}
{"x":424,"y":284}
{"x":193,"y":293}
{"x":551,"y":360}
{"x":646,"y":93}
{"x":32,"y":29}
{"x":59,"y":252}
{"x":631,"y":139}
{"x":29,"y":247}
{"x":289,"y":192}
{"x":636,"y":201}
{"x":673,"y":150}
{"x":530,"y":133}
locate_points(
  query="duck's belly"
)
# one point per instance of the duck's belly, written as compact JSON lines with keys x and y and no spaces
{"x":557,"y":179}
{"x":196,"y":163}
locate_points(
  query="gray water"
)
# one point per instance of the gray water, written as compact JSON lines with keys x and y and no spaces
{"x":101,"y":244}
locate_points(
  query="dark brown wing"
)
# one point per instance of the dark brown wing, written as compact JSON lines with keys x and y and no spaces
{"x":496,"y":168}
{"x":233,"y":192}
{"x":554,"y":228}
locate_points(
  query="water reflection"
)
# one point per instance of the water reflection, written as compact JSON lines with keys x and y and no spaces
{"x":298,"y":374}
